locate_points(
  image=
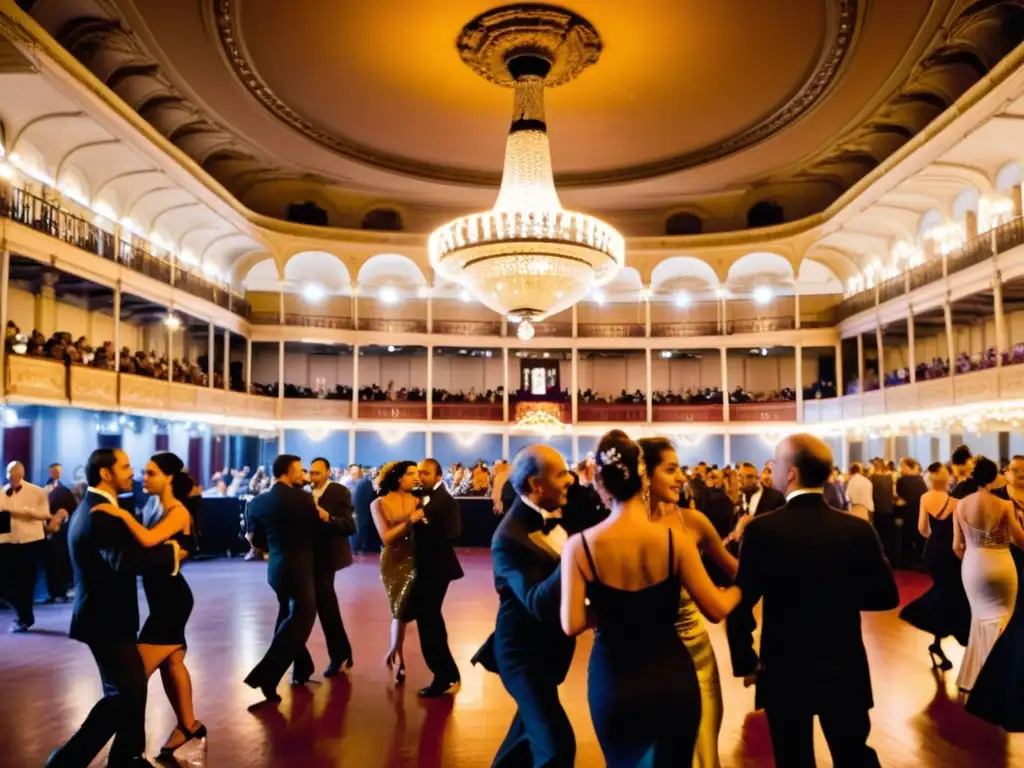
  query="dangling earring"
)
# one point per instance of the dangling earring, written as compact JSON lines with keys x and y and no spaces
{"x":647,"y":500}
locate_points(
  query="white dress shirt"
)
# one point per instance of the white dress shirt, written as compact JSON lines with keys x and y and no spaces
{"x":556,"y":539}
{"x":30,"y":511}
{"x":860,"y":493}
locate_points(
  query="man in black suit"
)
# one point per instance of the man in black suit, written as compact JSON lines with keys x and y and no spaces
{"x":817,"y":568}
{"x":437,"y":566}
{"x":528,"y":649}
{"x":333,"y":553}
{"x":106,"y":559}
{"x":755,"y":497}
{"x":367,"y":540}
{"x":285,"y":522}
{"x":57,"y":558}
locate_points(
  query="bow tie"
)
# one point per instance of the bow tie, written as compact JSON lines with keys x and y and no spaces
{"x":550,"y":523}
{"x":12,"y":491}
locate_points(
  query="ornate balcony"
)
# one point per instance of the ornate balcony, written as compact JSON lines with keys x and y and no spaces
{"x":392,"y":410}
{"x":36,"y":379}
{"x":612,"y":412}
{"x":92,"y":387}
{"x":316,"y":409}
{"x":476,"y":411}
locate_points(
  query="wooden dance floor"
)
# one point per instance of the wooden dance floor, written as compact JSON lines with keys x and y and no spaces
{"x":48,"y":684}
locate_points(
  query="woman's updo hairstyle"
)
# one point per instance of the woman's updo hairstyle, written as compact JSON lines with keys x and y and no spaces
{"x":620,"y":465}
{"x":985,"y":471}
{"x":171,"y":465}
{"x":390,"y":475}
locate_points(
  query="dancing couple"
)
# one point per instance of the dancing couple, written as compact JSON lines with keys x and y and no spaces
{"x":417,"y":564}
{"x":109,"y":548}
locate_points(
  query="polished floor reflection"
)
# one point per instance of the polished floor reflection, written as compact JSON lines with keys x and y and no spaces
{"x":47,"y":684}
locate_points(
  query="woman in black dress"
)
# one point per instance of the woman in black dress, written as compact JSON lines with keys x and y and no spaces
{"x":943,"y":610}
{"x":162,"y":639}
{"x":643,"y":691}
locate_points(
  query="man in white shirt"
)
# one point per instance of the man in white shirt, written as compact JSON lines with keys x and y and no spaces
{"x":860,"y":493}
{"x":27,"y":510}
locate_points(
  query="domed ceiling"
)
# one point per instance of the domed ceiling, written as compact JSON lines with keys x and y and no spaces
{"x":698,"y":107}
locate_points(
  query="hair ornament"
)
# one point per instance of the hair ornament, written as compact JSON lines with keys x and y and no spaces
{"x":612,"y":457}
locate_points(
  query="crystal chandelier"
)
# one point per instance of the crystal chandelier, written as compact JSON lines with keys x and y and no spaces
{"x":527,"y":258}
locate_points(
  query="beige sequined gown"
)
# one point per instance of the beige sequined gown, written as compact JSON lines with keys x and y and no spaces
{"x":691,"y":629}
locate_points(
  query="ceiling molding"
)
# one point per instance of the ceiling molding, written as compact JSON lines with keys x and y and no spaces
{"x":842,"y":18}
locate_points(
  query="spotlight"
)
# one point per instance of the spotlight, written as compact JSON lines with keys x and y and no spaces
{"x":682,"y":299}
{"x":465,"y":295}
{"x":314,"y":293}
{"x":762,"y":295}
{"x":391,"y":348}
{"x":173,"y":322}
{"x":666,"y":354}
{"x":388,"y":295}
{"x":599,"y":297}
{"x":764,"y":352}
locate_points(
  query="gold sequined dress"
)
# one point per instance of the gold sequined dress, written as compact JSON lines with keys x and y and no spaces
{"x":398,"y":572}
{"x":690,"y":628}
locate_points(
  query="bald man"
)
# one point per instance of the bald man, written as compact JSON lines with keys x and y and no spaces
{"x":25,"y":509}
{"x":528,"y":648}
{"x":817,"y":568}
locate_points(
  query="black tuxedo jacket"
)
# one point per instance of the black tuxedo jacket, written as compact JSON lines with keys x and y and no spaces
{"x":771,"y":499}
{"x":333,"y":550}
{"x":817,"y":568}
{"x":284,"y":522}
{"x":61,"y":497}
{"x":528,"y":637}
{"x":106,"y":559}
{"x":436,"y":537}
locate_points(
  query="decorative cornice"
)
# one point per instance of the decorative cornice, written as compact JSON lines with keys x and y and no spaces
{"x":842,"y":23}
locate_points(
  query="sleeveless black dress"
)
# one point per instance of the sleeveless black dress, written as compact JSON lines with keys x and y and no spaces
{"x":642,"y":685}
{"x":943,"y":610}
{"x":170,"y":601}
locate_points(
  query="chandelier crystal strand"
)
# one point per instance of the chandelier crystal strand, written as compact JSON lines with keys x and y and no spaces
{"x":527,"y":258}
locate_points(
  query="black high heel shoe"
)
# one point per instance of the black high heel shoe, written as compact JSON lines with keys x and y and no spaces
{"x":400,"y":674}
{"x":167,"y":753}
{"x":939,"y":659}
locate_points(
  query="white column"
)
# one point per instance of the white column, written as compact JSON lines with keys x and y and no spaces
{"x":227,"y":360}
{"x":860,"y":361}
{"x":280,"y":440}
{"x":799,"y":356}
{"x":505,"y":446}
{"x":575,"y":320}
{"x":430,"y":388}
{"x":725,"y":384}
{"x":248,"y":366}
{"x":796,"y":305}
{"x":997,"y":297}
{"x":170,"y":352}
{"x":881,"y":357}
{"x":911,"y":344}
{"x":504,"y":391}
{"x":355,"y":308}
{"x":5,"y":279}
{"x":352,"y":446}
{"x":574,"y":379}
{"x":430,"y":318}
{"x":429,"y":443}
{"x":280,"y":306}
{"x":647,"y":312}
{"x":355,"y":386}
{"x":117,"y":324}
{"x":211,"y":352}
{"x":727,"y":448}
{"x":947,"y":313}
{"x":575,"y":448}
{"x":844,"y":453}
{"x":839,"y":368}
{"x":650,"y":385}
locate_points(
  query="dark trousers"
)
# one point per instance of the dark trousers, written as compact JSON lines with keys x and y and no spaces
{"x":338,"y":646}
{"x":121,"y":712}
{"x":845,"y":730}
{"x":541,"y":734}
{"x":296,"y":614}
{"x":890,"y":536}
{"x":433,"y":632}
{"x":57,"y":563}
{"x":21,"y":571}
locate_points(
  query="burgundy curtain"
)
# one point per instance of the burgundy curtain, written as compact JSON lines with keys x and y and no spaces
{"x":217,"y":455}
{"x":18,"y":447}
{"x":163,"y":442}
{"x":195,"y":457}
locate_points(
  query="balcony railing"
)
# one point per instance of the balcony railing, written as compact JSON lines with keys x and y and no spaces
{"x":682,"y":330}
{"x":610,"y":330}
{"x":43,"y":216}
{"x":467,"y":327}
{"x":302,"y":321}
{"x":392,"y":326}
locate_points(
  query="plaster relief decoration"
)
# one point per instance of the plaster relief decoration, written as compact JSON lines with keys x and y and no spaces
{"x":35,"y":378}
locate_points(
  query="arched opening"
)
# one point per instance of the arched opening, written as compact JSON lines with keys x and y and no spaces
{"x":684,"y":223}
{"x":382,"y":220}
{"x":307,"y":212}
{"x":766,"y":213}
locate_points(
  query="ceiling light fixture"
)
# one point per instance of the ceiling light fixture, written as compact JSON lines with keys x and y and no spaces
{"x":173,"y":322}
{"x":388,"y":295}
{"x":314,"y":293}
{"x":763,"y":295}
{"x":682,"y":299}
{"x":528,"y":258}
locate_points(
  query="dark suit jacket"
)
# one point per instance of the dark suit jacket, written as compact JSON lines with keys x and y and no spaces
{"x":284,"y":522}
{"x":882,"y":493}
{"x":719,"y":509}
{"x":435,"y":538}
{"x":771,"y":500}
{"x":817,"y":568}
{"x":528,"y":636}
{"x":362,"y":496}
{"x":61,"y":497}
{"x":583,"y":508}
{"x":333,"y":550}
{"x":106,"y":559}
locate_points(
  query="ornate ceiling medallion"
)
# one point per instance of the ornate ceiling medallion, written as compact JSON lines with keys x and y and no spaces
{"x":575,"y":45}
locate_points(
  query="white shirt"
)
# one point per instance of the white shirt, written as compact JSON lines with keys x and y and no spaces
{"x":30,"y":510}
{"x":859,"y":491}
{"x":557,"y":537}
{"x":804,"y":492}
{"x":318,"y":492}
{"x":755,"y":499}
